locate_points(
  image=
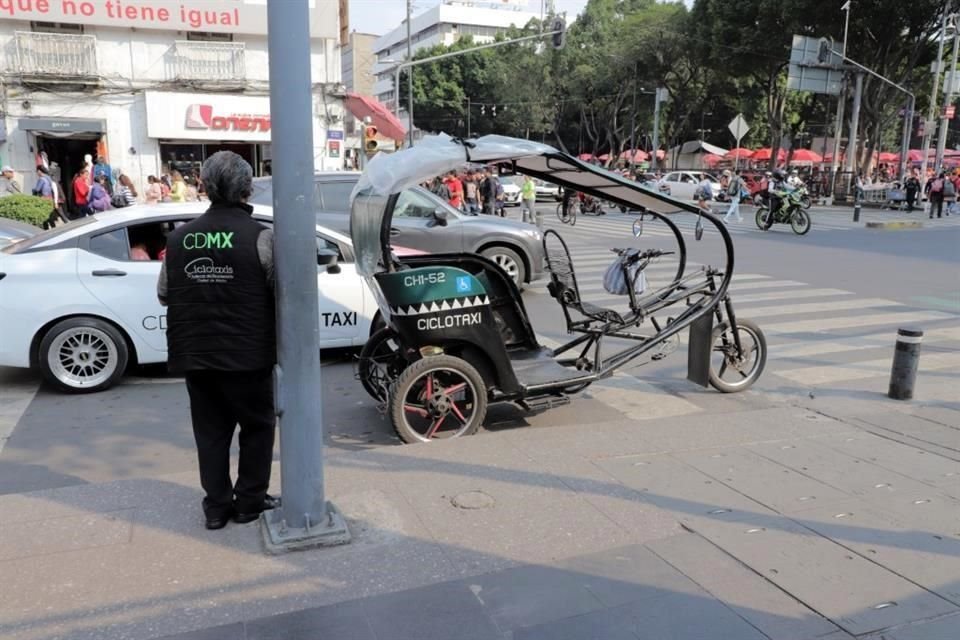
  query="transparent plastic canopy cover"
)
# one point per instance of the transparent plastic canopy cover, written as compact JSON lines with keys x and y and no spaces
{"x":389,"y":173}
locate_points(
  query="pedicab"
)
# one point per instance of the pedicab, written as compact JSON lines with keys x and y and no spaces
{"x":457,"y":336}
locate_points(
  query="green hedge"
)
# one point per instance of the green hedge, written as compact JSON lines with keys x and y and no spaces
{"x":29,"y":209}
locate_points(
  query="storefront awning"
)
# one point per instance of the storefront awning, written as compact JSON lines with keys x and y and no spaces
{"x":387,"y":124}
{"x":63,"y":127}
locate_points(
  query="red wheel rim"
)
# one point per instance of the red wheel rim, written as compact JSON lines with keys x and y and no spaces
{"x":441,"y":403}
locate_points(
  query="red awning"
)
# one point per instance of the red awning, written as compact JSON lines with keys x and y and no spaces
{"x":387,"y":124}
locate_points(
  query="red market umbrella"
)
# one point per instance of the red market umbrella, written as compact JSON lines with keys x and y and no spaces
{"x":711,"y":159}
{"x":603,"y":157}
{"x":586,"y":157}
{"x":829,"y":157}
{"x":764,"y":154}
{"x":739,"y":152}
{"x":806,"y":156}
{"x":387,"y":124}
{"x":638,"y":155}
{"x":888,"y":157}
{"x":661,"y":154}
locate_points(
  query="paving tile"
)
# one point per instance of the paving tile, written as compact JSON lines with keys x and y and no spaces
{"x":345,"y":621}
{"x":224,"y":632}
{"x":942,"y":629}
{"x":755,"y":599}
{"x":626,"y":574}
{"x":600,"y":625}
{"x":684,"y":617}
{"x":430,"y":613}
{"x":532,"y":595}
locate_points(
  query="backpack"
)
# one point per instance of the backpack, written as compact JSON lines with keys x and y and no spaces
{"x":949,"y":189}
{"x":734,"y":187}
{"x":937,"y":186}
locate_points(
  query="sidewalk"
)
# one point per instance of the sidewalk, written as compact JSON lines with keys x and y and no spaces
{"x":780,"y":523}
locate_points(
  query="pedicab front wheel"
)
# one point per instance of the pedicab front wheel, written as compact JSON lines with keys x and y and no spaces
{"x":733,"y":369}
{"x":438,"y":397}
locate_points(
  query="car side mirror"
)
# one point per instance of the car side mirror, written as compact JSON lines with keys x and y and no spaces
{"x":440,"y":216}
{"x":328,"y":258}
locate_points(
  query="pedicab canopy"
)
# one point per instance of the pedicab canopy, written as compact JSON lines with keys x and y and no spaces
{"x":388,"y":174}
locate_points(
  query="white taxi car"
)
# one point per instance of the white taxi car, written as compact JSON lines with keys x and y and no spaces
{"x":74,"y":305}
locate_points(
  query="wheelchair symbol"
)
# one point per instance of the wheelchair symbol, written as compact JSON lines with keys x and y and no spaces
{"x":463,"y":284}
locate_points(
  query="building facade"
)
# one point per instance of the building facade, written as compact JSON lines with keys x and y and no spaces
{"x":357,"y":63}
{"x":443,"y":24}
{"x":151,"y":87}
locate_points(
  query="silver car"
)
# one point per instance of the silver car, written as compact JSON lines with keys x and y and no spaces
{"x":425,"y":222}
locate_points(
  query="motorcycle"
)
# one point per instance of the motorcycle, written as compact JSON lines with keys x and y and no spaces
{"x":791,"y":212}
{"x":590,"y":205}
{"x":803,"y":195}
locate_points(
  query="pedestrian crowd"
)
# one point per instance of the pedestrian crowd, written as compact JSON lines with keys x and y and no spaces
{"x":472,"y":191}
{"x":97,"y":187}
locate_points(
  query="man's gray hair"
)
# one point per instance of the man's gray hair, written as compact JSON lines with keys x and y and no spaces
{"x":227,"y":177}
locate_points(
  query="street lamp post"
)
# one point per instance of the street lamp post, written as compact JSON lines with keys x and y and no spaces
{"x":949,"y":89}
{"x":927,"y":132}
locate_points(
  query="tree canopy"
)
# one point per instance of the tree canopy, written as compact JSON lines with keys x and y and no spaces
{"x":717,"y":59}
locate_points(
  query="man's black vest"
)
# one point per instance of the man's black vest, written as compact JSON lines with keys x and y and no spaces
{"x":220,"y":307}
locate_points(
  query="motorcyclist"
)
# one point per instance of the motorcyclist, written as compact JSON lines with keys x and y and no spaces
{"x":794,"y":180}
{"x":777,"y":190}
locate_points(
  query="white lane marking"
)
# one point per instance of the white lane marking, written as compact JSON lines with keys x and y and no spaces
{"x":865,"y":369}
{"x":785,"y":295}
{"x":814,"y":307}
{"x":820,"y":325}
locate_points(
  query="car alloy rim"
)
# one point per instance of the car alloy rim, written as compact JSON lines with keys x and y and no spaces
{"x":83,"y":357}
{"x":440,"y":404}
{"x":508,"y":264}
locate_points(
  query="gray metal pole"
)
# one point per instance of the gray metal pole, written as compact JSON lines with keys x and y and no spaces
{"x":932,"y":111}
{"x":656,"y":128}
{"x":396,"y":90}
{"x":409,"y":74}
{"x":905,"y":139}
{"x":469,"y":109}
{"x":854,"y":124}
{"x":304,"y":514}
{"x":837,"y":135}
{"x":950,"y":89}
{"x":633,"y":121}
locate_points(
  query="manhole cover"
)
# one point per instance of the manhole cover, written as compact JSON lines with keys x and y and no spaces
{"x":472,"y":500}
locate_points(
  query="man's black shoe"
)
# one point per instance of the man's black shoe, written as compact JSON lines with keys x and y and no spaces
{"x":217,"y":521}
{"x":243,"y":517}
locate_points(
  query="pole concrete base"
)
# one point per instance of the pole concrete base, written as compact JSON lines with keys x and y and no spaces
{"x":279,"y":538}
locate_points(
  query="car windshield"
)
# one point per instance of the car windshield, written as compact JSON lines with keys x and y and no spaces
{"x":46,"y":236}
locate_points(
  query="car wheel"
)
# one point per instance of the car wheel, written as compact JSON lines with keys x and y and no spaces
{"x":509,"y":261}
{"x":83,"y":355}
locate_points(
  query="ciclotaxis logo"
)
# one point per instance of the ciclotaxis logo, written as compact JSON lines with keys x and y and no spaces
{"x":205,"y":270}
{"x":449,"y":322}
{"x":208,"y":240}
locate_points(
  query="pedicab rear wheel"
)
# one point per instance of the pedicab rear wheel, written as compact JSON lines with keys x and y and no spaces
{"x":438,"y":397}
{"x":381,"y":362}
{"x":733,"y":370}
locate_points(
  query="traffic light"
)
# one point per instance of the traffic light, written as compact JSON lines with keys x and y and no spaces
{"x":823,"y":53}
{"x":559,"y":27}
{"x":370,"y":138}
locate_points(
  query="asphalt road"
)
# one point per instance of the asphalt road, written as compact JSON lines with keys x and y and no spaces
{"x":829,"y":301}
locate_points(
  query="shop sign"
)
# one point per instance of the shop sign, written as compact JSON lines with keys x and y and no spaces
{"x":202,"y":116}
{"x":193,"y":116}
{"x":334,"y":135}
{"x":334,"y":146}
{"x":224,"y":16}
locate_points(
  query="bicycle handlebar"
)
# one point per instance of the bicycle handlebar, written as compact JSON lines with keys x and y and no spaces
{"x":649,"y":254}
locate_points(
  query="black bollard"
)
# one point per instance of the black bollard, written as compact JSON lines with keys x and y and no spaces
{"x":906,"y":359}
{"x":856,"y":210}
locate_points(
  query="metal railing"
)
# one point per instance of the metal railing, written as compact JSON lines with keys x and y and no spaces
{"x":56,"y":54}
{"x":195,"y":60}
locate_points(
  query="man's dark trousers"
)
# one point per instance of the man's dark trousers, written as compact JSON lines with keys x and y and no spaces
{"x":219,"y":400}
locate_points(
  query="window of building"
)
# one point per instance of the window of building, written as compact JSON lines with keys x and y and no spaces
{"x":209,"y":36}
{"x":56,"y":27}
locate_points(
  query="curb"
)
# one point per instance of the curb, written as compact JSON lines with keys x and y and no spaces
{"x":900,"y":224}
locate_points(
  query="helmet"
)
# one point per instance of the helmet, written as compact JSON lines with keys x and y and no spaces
{"x":779,"y":174}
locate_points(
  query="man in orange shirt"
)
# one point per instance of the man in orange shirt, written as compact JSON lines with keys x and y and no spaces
{"x":456,"y":190}
{"x":81,"y":192}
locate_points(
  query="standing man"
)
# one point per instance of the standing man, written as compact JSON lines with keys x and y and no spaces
{"x":488,"y":192}
{"x":912,"y":187}
{"x":733,"y":190}
{"x":8,"y":184}
{"x":935,"y":188}
{"x":455,"y":187}
{"x":217,"y":282}
{"x":470,"y":192}
{"x":81,"y":192}
{"x":528,"y":194}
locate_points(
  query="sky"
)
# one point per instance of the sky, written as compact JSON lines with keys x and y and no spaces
{"x":380,"y":16}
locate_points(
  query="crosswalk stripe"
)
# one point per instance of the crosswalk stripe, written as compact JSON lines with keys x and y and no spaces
{"x":768,"y":284}
{"x":786,"y":295}
{"x":814,"y":307}
{"x":15,"y":398}
{"x":866,"y":369}
{"x":818,"y":325}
